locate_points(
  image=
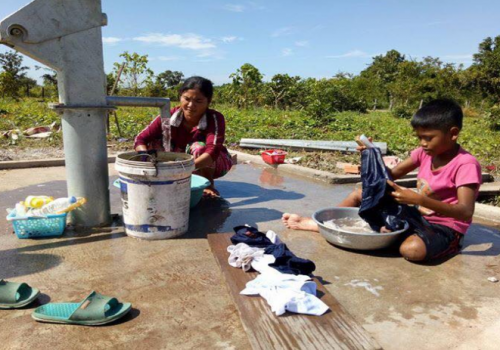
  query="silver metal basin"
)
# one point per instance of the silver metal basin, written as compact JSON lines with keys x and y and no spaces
{"x":358,"y":241}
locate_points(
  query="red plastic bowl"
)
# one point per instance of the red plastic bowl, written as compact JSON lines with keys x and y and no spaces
{"x":273,"y":156}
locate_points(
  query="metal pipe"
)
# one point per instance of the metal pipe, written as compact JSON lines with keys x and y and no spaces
{"x":66,"y":36}
{"x":160,"y":102}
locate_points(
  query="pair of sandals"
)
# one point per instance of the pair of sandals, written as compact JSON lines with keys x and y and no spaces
{"x":95,"y":309}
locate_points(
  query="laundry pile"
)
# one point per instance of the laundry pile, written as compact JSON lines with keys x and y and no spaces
{"x":283,"y":279}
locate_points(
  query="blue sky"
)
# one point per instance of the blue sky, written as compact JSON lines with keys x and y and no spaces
{"x":306,"y":38}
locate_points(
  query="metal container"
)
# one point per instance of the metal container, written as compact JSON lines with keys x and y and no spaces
{"x":357,"y":241}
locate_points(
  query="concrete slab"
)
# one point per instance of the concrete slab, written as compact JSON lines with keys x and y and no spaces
{"x":177,"y":290}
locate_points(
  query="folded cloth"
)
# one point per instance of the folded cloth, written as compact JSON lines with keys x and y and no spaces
{"x":287,"y":262}
{"x":250,"y":236}
{"x":285,"y":292}
{"x":242,"y":255}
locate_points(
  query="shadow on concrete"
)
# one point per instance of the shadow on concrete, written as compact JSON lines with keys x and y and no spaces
{"x":389,"y":252}
{"x":16,"y":264}
{"x":20,"y":261}
{"x":481,"y":241}
{"x":209,"y":216}
{"x":132,"y":314}
{"x":253,"y":193}
{"x":218,"y":216}
{"x":41,"y":300}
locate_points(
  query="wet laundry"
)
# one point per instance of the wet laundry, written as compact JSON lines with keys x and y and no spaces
{"x":285,"y":292}
{"x":283,"y":280}
{"x":251,"y":236}
{"x":285,"y":260}
{"x":378,"y":208}
{"x":241,"y":255}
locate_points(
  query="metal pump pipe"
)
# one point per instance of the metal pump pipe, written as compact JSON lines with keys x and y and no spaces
{"x":162,"y":103}
{"x":66,"y":36}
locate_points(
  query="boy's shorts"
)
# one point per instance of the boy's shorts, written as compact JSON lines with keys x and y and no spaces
{"x":440,"y":241}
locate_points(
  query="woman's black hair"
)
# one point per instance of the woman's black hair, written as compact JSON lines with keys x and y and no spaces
{"x":204,"y":85}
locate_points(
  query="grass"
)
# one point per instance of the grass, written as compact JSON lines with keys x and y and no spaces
{"x":476,"y":137}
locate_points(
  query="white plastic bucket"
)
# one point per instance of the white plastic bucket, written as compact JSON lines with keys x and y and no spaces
{"x":155,"y":198}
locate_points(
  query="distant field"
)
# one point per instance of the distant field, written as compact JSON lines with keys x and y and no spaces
{"x":269,"y":123}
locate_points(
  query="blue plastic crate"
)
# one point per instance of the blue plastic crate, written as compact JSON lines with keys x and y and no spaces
{"x":33,"y":227}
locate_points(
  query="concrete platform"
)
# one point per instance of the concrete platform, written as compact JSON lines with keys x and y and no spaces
{"x":177,"y":291}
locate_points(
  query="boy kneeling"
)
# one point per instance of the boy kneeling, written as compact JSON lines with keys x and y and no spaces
{"x":448,"y":182}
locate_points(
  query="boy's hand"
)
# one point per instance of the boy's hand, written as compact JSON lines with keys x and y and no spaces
{"x":404,"y":195}
{"x":361,"y":146}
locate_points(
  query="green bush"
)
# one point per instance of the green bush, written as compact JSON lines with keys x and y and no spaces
{"x":404,"y":112}
{"x":493,"y":118}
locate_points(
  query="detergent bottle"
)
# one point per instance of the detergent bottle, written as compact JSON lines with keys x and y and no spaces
{"x":54,"y":207}
{"x":37,"y":201}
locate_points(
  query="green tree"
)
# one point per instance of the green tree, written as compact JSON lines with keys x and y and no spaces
{"x":169,"y":79}
{"x":486,"y":68}
{"x":384,"y":71}
{"x":136,"y":74}
{"x":247,"y":86}
{"x":283,"y":90}
{"x":12,"y":73}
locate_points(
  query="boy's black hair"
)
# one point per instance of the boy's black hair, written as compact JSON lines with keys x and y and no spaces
{"x":440,"y":114}
{"x":204,"y":85}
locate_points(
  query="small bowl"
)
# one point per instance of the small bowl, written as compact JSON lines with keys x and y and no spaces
{"x":198,"y":184}
{"x":351,"y":240}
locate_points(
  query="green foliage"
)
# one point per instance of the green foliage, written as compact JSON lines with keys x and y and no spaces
{"x":135,"y":75}
{"x":12,"y":74}
{"x":284,"y":91}
{"x":486,"y":68}
{"x":476,"y":136}
{"x":246,"y":86}
{"x":328,"y":96}
{"x":169,"y":78}
{"x":403,"y":112}
{"x":493,"y":118}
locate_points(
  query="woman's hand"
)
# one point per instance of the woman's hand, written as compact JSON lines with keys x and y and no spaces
{"x":404,"y":195}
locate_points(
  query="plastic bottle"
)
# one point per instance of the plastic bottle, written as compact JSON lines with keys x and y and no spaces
{"x":20,"y":209}
{"x":37,"y":201}
{"x":364,"y":141}
{"x":54,"y":207}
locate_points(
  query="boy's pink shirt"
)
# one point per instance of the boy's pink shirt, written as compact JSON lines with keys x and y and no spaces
{"x":443,"y":184}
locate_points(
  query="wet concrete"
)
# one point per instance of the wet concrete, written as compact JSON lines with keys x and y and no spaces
{"x":178,"y":294}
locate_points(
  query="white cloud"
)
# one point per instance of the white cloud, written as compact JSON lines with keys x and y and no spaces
{"x":169,"y":58}
{"x":234,"y":7}
{"x":111,"y":40}
{"x":302,"y":43}
{"x":183,"y":41}
{"x":282,"y":32}
{"x":286,"y":52}
{"x":351,"y":54}
{"x":256,"y":6}
{"x":229,"y":39}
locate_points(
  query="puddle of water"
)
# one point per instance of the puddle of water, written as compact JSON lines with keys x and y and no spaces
{"x":366,"y":285}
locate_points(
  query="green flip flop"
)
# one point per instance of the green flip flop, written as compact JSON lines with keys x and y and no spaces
{"x":94,"y":310}
{"x":15,"y":295}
